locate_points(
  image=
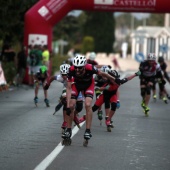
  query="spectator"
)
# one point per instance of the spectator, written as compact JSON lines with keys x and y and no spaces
{"x":9,"y":63}
{"x":116,"y":64}
{"x":21,"y":65}
{"x":45,"y":56}
{"x":35,"y":62}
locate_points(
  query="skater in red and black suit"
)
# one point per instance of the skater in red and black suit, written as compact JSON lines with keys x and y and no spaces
{"x":110,"y":94}
{"x":82,"y":73}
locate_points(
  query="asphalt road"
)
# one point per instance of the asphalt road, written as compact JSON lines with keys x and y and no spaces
{"x":30,"y":137}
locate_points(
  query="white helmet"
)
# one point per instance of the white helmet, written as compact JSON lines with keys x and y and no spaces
{"x":64,"y":68}
{"x":92,"y":56}
{"x":79,"y":60}
{"x":105,"y":69}
{"x":151,"y":56}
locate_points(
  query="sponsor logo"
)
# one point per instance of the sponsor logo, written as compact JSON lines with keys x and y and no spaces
{"x":43,"y":11}
{"x":140,"y":3}
{"x":104,"y":2}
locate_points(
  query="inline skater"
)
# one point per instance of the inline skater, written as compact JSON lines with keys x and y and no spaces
{"x":110,"y":95}
{"x":41,"y":77}
{"x":82,"y":73}
{"x":163,"y":65}
{"x":99,"y":83}
{"x":149,"y":68}
{"x":62,"y":78}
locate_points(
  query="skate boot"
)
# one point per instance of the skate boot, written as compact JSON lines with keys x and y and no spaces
{"x":143,"y":105}
{"x":154,"y":97}
{"x":82,"y":119}
{"x":146,"y":111}
{"x":47,"y":102}
{"x":168,"y":96}
{"x":165,"y":100}
{"x":58,"y":107}
{"x":108,"y":124}
{"x":64,"y":127}
{"x":111,"y":124}
{"x":67,"y":137}
{"x":87,"y":136}
{"x":36,"y":101}
{"x":100,"y":117}
{"x":76,"y":121}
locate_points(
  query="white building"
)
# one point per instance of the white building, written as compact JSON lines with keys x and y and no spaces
{"x":151,"y":39}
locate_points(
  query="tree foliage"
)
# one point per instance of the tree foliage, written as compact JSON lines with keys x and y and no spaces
{"x":100,"y":26}
{"x":88,"y":44}
{"x":12,"y":19}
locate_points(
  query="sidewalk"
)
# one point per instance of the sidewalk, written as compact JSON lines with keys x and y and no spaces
{"x":127,"y":64}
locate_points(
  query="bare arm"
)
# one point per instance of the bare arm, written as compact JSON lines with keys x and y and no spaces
{"x":51,"y":80}
{"x":131,"y":77}
{"x":112,"y":79}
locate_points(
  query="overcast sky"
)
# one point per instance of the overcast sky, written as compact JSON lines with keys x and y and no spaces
{"x":137,"y":15}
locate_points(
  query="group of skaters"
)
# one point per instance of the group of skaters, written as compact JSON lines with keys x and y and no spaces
{"x":153,"y":71}
{"x":83,"y":78}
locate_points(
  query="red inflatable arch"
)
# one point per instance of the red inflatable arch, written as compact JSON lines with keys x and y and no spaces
{"x":41,"y":18}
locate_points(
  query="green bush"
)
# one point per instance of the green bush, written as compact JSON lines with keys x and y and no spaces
{"x":88,"y":44}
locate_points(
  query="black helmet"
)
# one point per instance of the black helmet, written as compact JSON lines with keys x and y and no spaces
{"x":114,"y":73}
{"x":160,"y":59}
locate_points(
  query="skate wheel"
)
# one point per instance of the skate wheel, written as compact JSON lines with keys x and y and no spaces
{"x":111,"y":126}
{"x":85,"y":143}
{"x":63,"y":142}
{"x":66,"y":142}
{"x":109,"y":129}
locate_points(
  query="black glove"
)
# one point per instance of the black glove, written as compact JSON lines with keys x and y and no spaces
{"x":68,"y":111}
{"x":46,"y":87}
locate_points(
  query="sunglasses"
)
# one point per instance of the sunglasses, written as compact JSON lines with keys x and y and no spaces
{"x":64,"y":74}
{"x":79,"y":68}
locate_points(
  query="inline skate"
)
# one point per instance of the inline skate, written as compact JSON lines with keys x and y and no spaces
{"x":58,"y":107}
{"x":76,"y":121}
{"x":66,"y":138}
{"x":100,"y":116}
{"x":87,"y":136}
{"x":64,"y":127}
{"x":165,"y":100}
{"x":47,"y":102}
{"x":154,"y":97}
{"x":36,"y":101}
{"x":146,"y":111}
{"x":108,"y":124}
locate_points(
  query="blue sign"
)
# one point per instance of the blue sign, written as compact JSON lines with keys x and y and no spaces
{"x":139,"y":57}
{"x":163,"y":48}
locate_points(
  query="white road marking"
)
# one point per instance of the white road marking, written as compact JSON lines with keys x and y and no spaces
{"x":49,"y":159}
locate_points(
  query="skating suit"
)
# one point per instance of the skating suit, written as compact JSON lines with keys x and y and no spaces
{"x":148,"y":72}
{"x":41,"y":78}
{"x":109,"y":94}
{"x":60,"y":79}
{"x":84,"y":83}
